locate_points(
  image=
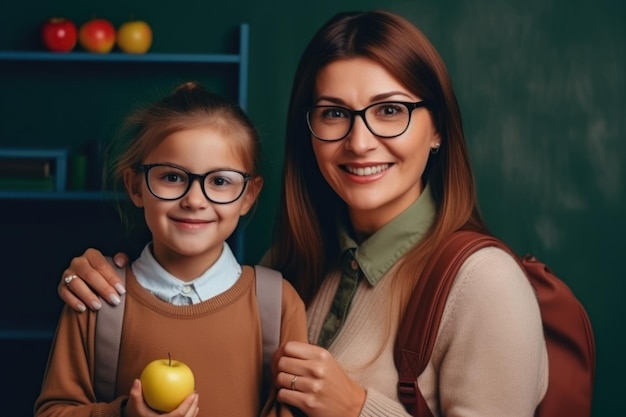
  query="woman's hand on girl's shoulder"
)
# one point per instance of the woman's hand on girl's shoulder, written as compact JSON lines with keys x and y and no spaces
{"x":90,"y":275}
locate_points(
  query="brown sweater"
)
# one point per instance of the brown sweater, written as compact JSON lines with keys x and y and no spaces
{"x":220,"y":340}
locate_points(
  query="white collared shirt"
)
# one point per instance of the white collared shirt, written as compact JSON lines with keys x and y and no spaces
{"x":218,"y":278}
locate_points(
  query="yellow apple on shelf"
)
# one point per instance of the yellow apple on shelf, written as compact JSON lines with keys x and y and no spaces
{"x":134,"y":37}
{"x":166,"y":383}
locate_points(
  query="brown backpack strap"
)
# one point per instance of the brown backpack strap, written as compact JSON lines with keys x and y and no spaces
{"x":419,"y":327}
{"x":108,"y":334}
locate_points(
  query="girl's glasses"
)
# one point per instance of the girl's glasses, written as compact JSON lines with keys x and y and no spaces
{"x":171,"y":182}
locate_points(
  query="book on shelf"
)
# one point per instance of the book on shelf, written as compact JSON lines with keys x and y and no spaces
{"x":25,"y":168}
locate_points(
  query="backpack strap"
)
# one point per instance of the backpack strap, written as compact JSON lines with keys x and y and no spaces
{"x":419,"y":326}
{"x":108,"y":334}
{"x":269,"y":289}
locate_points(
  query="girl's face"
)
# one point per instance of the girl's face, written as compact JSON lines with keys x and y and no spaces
{"x":377,"y":178}
{"x":188,"y":233}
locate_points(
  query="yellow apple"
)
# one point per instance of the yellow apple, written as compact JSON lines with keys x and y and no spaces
{"x":166,"y":383}
{"x":134,"y":37}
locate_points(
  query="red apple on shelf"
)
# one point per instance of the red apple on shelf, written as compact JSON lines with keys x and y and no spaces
{"x":59,"y":34}
{"x":134,"y":37}
{"x":97,"y":35}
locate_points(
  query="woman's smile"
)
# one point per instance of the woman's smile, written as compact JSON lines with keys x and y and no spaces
{"x":362,"y":171}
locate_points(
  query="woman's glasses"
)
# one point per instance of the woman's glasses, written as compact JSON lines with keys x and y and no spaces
{"x":386,"y":120}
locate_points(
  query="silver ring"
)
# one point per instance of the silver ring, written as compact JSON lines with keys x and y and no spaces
{"x":293,"y":382}
{"x":69,"y":279}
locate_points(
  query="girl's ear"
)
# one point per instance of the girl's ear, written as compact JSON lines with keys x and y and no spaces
{"x":252,"y":193}
{"x":132,"y":182}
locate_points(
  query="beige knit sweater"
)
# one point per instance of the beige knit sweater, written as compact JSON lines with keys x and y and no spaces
{"x":490,"y":357}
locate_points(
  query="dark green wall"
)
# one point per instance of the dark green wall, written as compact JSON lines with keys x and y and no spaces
{"x":541,"y":86}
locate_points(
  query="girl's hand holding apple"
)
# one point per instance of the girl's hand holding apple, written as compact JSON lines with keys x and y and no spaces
{"x":137,"y":407}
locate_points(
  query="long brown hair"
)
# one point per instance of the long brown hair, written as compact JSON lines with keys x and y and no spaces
{"x":305,"y":245}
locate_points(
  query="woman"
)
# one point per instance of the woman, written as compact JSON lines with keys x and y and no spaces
{"x":376,"y":174}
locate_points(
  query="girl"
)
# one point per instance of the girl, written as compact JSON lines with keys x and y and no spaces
{"x":192,"y":166}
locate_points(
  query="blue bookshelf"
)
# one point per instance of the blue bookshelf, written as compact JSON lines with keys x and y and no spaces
{"x":60,"y":193}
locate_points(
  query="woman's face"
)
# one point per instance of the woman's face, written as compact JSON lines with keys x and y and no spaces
{"x":378,"y":178}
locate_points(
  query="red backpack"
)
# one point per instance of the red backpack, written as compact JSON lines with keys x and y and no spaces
{"x":567,"y":329}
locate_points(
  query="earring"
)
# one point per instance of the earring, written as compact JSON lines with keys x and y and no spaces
{"x":435,"y":149}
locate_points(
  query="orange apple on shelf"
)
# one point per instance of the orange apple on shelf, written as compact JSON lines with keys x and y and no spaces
{"x":134,"y":37}
{"x":165,"y":383}
{"x":97,"y":35}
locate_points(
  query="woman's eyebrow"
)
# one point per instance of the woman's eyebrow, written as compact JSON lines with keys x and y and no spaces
{"x":373,"y":99}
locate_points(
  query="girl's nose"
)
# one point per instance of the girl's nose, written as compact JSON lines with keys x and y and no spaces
{"x":195,"y":196}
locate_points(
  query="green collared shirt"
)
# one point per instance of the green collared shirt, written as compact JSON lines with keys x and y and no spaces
{"x":374,"y":257}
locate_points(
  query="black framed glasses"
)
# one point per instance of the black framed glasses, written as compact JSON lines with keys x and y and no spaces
{"x":171,"y":182}
{"x":387,"y":119}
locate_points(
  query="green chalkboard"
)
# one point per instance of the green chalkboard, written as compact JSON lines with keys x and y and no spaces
{"x":541,"y":85}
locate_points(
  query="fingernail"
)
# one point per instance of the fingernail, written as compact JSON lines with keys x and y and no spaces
{"x":120,"y":288}
{"x":115,"y":300}
{"x":118,"y":262}
{"x":81,"y":308}
{"x":96,"y":305}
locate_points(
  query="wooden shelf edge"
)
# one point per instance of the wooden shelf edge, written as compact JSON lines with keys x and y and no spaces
{"x":15,"y":334}
{"x":60,"y":195}
{"x":173,"y":58}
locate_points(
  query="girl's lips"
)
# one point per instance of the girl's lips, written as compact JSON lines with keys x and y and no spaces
{"x":363,"y":171}
{"x":191,"y":223}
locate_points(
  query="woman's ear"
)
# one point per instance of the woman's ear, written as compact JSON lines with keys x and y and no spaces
{"x":252,"y":193}
{"x":435,"y":142}
{"x":132,"y":182}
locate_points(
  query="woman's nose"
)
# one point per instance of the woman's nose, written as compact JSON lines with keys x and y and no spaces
{"x":360,"y":139}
